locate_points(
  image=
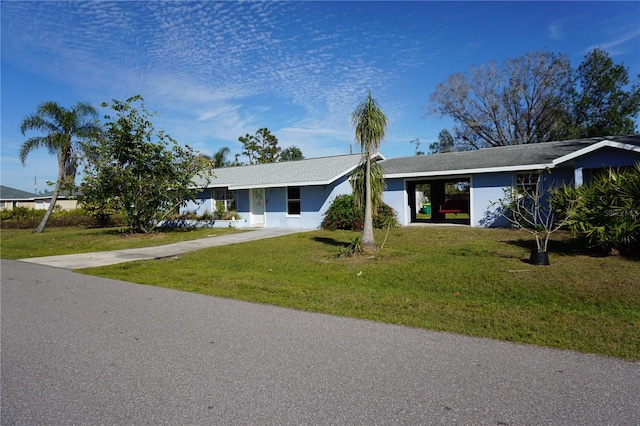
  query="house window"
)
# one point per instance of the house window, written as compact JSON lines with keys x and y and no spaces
{"x":526,"y":183}
{"x":293,"y":200}
{"x":226,"y":198}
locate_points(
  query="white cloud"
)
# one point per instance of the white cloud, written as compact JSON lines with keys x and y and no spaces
{"x":556,"y":30}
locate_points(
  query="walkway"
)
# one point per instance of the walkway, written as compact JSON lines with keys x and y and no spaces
{"x":103,"y":258}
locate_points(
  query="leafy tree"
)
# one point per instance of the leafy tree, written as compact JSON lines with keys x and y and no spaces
{"x":220,"y":157}
{"x":137,"y":170}
{"x":518,"y":102}
{"x":370,"y":124}
{"x":261,"y":147}
{"x":600,"y":105}
{"x":64,"y":129}
{"x":292,"y":153}
{"x":445,"y":143}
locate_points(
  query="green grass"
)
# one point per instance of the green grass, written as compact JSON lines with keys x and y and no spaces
{"x":463,"y":280}
{"x":22,"y":243}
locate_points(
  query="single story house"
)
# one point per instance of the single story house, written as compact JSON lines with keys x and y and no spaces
{"x":463,"y":187}
{"x":11,"y":198}
{"x":288,"y":194}
{"x":457,"y":187}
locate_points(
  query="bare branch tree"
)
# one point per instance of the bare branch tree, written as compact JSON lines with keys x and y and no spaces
{"x":518,"y":102}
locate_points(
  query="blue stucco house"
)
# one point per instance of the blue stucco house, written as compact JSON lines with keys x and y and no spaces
{"x":458,"y":187}
{"x":483,"y":175}
{"x":290,"y":194}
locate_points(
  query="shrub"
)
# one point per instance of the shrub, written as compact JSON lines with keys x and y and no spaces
{"x":342,"y":214}
{"x":23,"y":218}
{"x":606,"y":213}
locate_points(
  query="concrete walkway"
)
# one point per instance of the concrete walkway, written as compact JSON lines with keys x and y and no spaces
{"x":103,"y":258}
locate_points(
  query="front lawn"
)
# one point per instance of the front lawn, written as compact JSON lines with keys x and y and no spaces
{"x":462,"y":280}
{"x":22,"y":243}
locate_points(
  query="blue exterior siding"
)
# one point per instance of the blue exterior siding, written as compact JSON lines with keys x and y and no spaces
{"x":487,"y":189}
{"x":605,"y":158}
{"x":314,"y":202}
{"x":395,"y":195}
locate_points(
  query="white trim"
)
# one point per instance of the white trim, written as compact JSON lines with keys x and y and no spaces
{"x":523,"y":167}
{"x":595,"y":147}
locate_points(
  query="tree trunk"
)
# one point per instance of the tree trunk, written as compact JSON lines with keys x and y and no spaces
{"x":52,"y":205}
{"x":368,"y":241}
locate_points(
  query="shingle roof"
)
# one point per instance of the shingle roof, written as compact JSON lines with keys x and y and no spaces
{"x":313,"y":171}
{"x":8,"y":193}
{"x":516,"y":157}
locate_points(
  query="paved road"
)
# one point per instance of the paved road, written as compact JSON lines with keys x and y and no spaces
{"x":85,"y":260}
{"x":85,"y":350}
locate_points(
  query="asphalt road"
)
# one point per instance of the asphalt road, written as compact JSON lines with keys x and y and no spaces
{"x":84,"y":350}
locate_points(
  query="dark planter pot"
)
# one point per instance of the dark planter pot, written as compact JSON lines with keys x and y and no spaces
{"x":539,"y":258}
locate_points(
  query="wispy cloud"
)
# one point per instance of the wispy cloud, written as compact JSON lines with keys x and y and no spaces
{"x":619,"y":44}
{"x":556,"y":30}
{"x":211,"y":57}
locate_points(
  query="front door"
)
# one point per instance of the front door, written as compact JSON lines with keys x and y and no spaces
{"x":257,"y":207}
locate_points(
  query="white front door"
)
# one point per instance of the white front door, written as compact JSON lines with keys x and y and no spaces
{"x":257,"y":207}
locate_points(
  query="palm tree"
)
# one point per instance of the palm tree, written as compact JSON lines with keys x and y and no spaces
{"x":370,"y":123}
{"x":62,"y":126}
{"x":220,"y":157}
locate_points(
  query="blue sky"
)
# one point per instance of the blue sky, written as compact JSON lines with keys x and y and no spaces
{"x":214,"y":71}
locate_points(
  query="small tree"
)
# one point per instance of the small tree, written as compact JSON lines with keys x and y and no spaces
{"x":528,"y":207}
{"x":370,"y":123}
{"x":143,"y":172}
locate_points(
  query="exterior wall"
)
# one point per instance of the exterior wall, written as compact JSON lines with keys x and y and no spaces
{"x":395,"y":195}
{"x":487,"y":189}
{"x":314,"y":202}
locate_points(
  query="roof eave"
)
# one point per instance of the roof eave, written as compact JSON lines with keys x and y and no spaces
{"x":525,"y":167}
{"x":596,"y":146}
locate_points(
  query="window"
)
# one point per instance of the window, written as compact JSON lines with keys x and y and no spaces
{"x":526,"y":183}
{"x":226,"y":198}
{"x":293,"y":200}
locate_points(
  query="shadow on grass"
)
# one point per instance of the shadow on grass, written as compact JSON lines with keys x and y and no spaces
{"x":571,"y":247}
{"x":330,"y":241}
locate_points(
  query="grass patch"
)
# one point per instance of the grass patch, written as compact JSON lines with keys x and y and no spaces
{"x":23,"y":243}
{"x":463,"y":280}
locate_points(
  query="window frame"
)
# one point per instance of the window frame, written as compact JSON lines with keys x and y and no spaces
{"x":293,"y":201}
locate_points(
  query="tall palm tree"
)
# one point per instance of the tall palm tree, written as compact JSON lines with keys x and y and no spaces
{"x":370,"y":123}
{"x":63,"y":129}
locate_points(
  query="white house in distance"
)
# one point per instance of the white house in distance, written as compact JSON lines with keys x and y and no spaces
{"x":457,"y":187}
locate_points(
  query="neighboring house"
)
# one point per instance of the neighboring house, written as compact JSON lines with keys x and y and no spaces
{"x":11,"y":198}
{"x":289,"y":194}
{"x":469,"y":183}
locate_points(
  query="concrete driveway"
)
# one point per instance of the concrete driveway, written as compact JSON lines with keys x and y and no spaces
{"x":85,"y":350}
{"x":103,"y":258}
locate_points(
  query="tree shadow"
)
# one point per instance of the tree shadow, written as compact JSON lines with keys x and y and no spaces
{"x":568,"y":247}
{"x":330,"y":241}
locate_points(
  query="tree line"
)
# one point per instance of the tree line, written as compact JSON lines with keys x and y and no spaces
{"x":535,"y":98}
